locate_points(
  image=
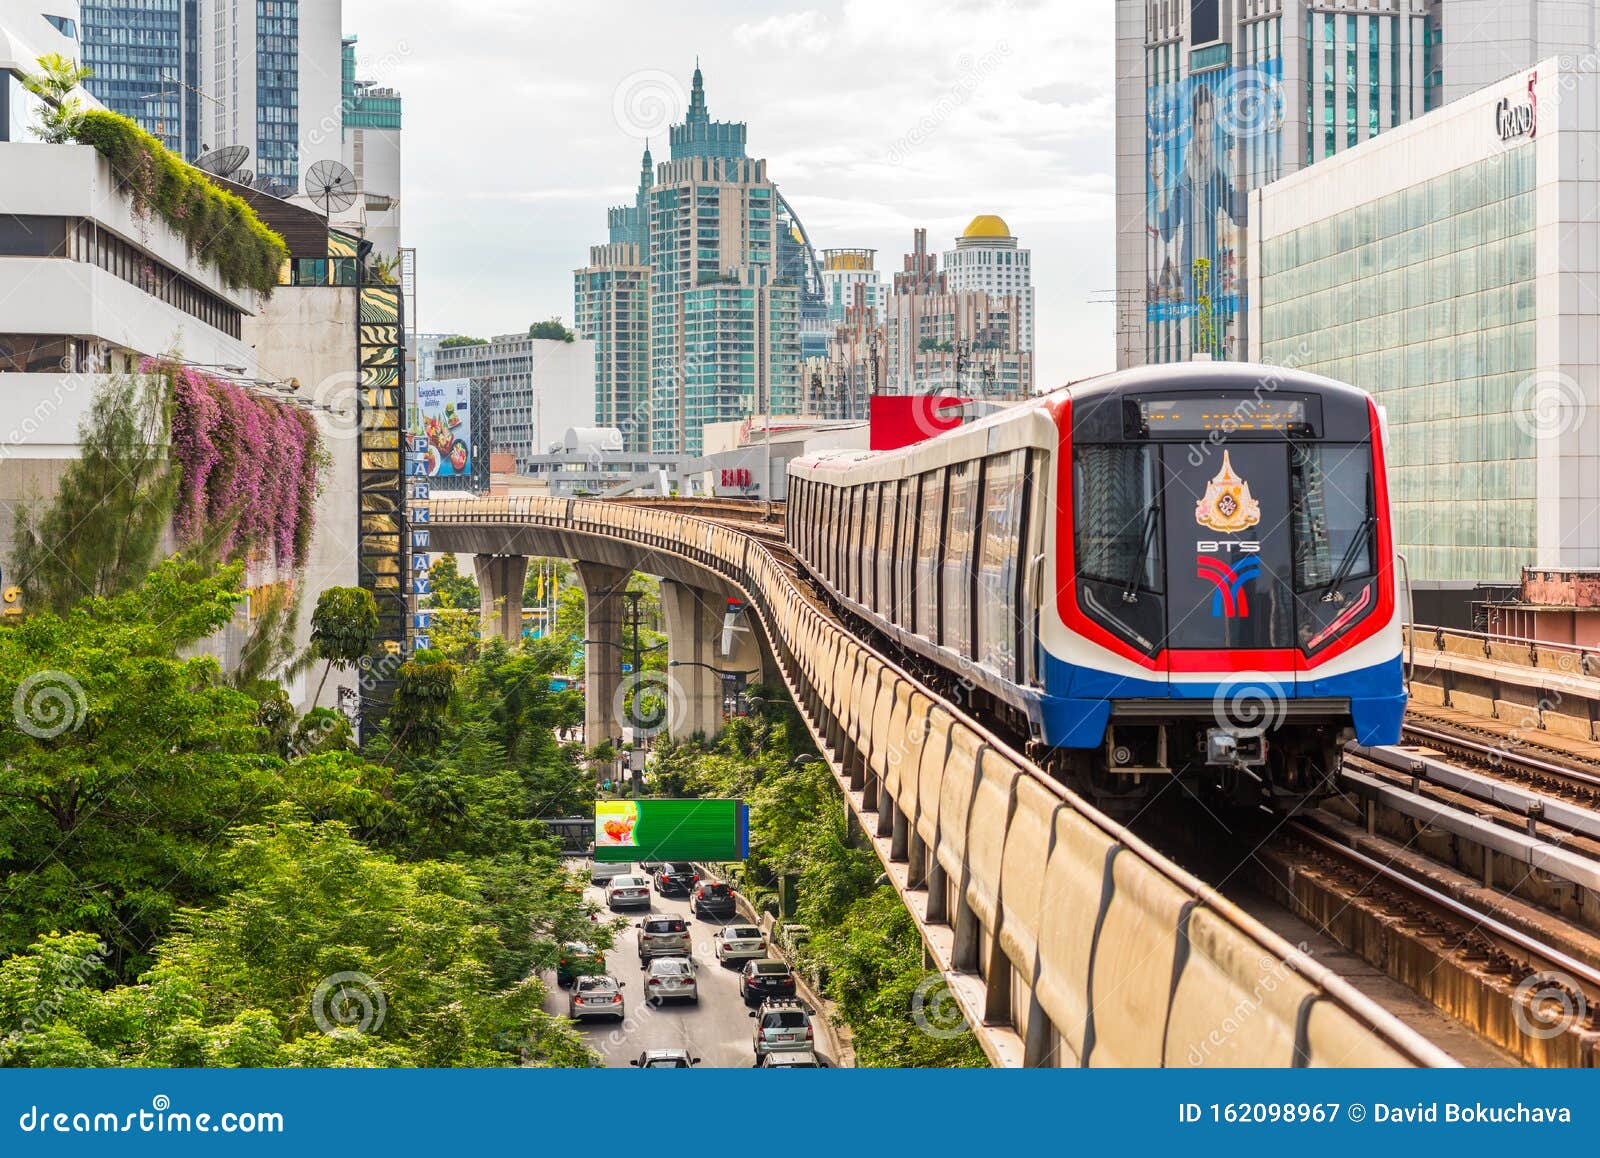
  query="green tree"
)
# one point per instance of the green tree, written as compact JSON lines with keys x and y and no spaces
{"x":553,"y":329}
{"x":344,"y":628}
{"x":423,"y":687}
{"x":324,"y":952}
{"x":128,"y":765}
{"x":100,"y":534}
{"x":462,"y":340}
{"x":54,"y":83}
{"x":450,"y":588}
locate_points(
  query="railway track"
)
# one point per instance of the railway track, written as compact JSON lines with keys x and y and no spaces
{"x":1515,"y":749}
{"x":1520,"y":985}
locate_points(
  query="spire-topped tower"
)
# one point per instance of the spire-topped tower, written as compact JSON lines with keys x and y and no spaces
{"x":699,"y":135}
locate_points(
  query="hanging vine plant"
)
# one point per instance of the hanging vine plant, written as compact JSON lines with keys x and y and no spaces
{"x":249,"y":469}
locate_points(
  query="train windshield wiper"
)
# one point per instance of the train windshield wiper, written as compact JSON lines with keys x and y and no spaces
{"x":1130,"y":589}
{"x":1351,"y":553}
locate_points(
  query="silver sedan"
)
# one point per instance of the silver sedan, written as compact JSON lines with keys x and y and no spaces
{"x":596,"y":997}
{"x":739,"y":943}
{"x":671,"y":979}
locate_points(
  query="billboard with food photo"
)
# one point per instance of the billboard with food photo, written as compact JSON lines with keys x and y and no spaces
{"x":632,"y":830}
{"x":444,"y":419}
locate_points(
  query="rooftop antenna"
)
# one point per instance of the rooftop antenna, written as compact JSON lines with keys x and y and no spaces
{"x":331,"y":186}
{"x":224,"y":161}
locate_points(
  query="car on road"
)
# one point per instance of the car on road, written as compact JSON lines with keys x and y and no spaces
{"x":630,"y":892}
{"x":665,"y":1059}
{"x":711,"y":899}
{"x":782,"y":1025}
{"x":596,"y":996}
{"x":759,"y":980}
{"x":600,"y":872}
{"x":791,"y":1059}
{"x":675,"y":878}
{"x":662,"y":936}
{"x":738,"y":943}
{"x":671,"y":979}
{"x":578,"y":959}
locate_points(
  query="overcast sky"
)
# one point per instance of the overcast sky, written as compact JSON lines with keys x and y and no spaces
{"x":524,"y":120}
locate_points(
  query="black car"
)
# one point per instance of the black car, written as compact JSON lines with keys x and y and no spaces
{"x":711,"y":899}
{"x":674,"y":878}
{"x":760,"y":980}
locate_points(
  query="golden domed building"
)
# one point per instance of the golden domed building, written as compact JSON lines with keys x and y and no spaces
{"x":987,"y":258}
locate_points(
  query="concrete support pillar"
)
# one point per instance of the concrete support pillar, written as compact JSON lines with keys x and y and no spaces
{"x":694,"y":629}
{"x":604,"y":612}
{"x":500,"y":582}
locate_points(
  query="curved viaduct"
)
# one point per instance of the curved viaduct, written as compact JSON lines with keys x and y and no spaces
{"x":1065,"y":939}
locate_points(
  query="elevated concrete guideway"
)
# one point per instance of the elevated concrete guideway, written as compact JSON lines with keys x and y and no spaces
{"x":1063,"y":938}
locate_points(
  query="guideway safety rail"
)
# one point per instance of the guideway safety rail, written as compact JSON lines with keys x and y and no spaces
{"x":1064,"y":938}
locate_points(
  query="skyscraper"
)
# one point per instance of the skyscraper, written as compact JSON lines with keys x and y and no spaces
{"x":724,"y":333}
{"x":1216,"y":99}
{"x":145,"y":57}
{"x":986,"y":258}
{"x":611,"y":301}
{"x":274,"y":72}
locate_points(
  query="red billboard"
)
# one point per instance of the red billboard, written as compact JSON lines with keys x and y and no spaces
{"x":901,"y":419}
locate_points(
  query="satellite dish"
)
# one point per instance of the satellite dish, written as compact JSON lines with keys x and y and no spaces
{"x":221,"y":162}
{"x":332,"y":186}
{"x":245,"y":177}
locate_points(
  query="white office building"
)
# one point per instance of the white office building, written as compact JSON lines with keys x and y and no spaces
{"x":986,"y":258}
{"x":1452,"y":267}
{"x":30,"y":29}
{"x":539,"y":388}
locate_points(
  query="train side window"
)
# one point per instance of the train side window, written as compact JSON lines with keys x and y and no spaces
{"x":857,"y":526}
{"x":906,"y":558}
{"x":960,"y":521}
{"x":869,"y":546}
{"x":932,"y":512}
{"x":880,"y":560}
{"x":999,"y":564}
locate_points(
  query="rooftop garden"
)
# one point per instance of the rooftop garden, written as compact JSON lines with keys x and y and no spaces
{"x":218,"y":226}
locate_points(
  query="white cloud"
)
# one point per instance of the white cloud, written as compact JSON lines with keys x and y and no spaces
{"x":513,"y":151}
{"x":806,"y":31}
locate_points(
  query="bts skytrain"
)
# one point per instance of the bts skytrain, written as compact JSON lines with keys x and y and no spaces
{"x":1182,"y":570}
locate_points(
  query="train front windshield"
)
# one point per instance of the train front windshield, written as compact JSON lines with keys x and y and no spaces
{"x":1203,"y":522}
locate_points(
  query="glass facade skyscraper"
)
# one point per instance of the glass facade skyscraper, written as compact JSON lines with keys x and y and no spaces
{"x":1427,"y":298}
{"x":144,"y":57}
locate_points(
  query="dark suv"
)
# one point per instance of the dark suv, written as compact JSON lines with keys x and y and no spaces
{"x":711,"y":899}
{"x":675,"y":878}
{"x":763,"y":980}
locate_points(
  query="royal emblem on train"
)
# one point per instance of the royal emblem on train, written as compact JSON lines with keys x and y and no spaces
{"x":1227,"y":507}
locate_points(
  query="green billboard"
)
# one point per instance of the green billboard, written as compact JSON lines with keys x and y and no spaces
{"x":632,"y":830}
